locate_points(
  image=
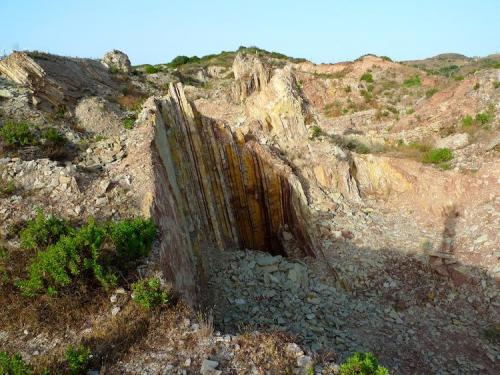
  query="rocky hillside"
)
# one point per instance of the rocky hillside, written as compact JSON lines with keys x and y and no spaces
{"x":249,"y":213}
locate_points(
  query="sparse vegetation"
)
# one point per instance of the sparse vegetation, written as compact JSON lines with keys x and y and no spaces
{"x":53,"y":138}
{"x":7,"y":187}
{"x":77,"y":359}
{"x":17,"y":134}
{"x":333,"y":109}
{"x":483,"y":118}
{"x":14,"y":365}
{"x":4,"y":256}
{"x":496,"y":84}
{"x":476,"y":86}
{"x":367,"y":95}
{"x":413,"y":81}
{"x":128,"y":123}
{"x":438,"y":156}
{"x":429,"y":93}
{"x":367,"y":77}
{"x":316,"y":131}
{"x":362,"y":364}
{"x":148,"y":293}
{"x":151,"y":69}
{"x":467,"y":121}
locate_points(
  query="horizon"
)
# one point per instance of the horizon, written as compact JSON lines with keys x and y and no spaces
{"x":156,"y":32}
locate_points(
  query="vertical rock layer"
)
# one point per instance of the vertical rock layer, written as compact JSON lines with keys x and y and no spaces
{"x":216,"y":188}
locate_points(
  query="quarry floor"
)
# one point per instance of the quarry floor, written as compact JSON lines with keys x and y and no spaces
{"x":372,"y":292}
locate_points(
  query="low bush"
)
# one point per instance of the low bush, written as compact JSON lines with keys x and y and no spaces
{"x":77,"y":359}
{"x":148,"y":293}
{"x":362,"y":364}
{"x":53,"y":138}
{"x":14,"y":365}
{"x":4,"y":256}
{"x":431,"y":92}
{"x":367,"y":95}
{"x":477,"y":86}
{"x":7,"y":187}
{"x":316,"y":131}
{"x":73,"y":256}
{"x":151,"y":69}
{"x":367,"y":77}
{"x":16,"y":134}
{"x":128,"y":123}
{"x":182,"y":60}
{"x":88,"y":254}
{"x":132,"y":238}
{"x":413,"y":81}
{"x":483,"y":118}
{"x":467,"y":121}
{"x":437,"y":156}
{"x":43,"y":231}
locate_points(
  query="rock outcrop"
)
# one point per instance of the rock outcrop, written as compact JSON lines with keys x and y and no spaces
{"x":279,"y":106}
{"x":57,"y":81}
{"x":250,"y":75}
{"x":117,"y":62}
{"x":216,"y":188}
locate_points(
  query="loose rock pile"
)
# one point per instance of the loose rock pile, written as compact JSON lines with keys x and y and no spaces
{"x":256,"y":290}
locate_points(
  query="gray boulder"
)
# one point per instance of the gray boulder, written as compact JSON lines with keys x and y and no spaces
{"x":117,"y":61}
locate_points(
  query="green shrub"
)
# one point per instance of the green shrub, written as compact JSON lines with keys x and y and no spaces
{"x":386,"y":58}
{"x":437,"y":156}
{"x":7,"y":187}
{"x":151,"y":69}
{"x":148,"y":293}
{"x":4,"y":256}
{"x":449,"y":70}
{"x":72,"y":256}
{"x":316,"y":131}
{"x":53,"y":137}
{"x":77,"y":359}
{"x":367,"y":95}
{"x":132,"y":238}
{"x":43,"y":231}
{"x":87,"y":254}
{"x":412,"y":81}
{"x":431,"y":92}
{"x":367,"y":77}
{"x":362,"y":364}
{"x":128,"y":123}
{"x":477,"y":86}
{"x":178,"y":61}
{"x":483,"y":118}
{"x":17,"y":134}
{"x":13,"y":365}
{"x":467,"y":121}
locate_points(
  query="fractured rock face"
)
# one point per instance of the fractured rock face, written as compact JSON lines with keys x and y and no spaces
{"x":57,"y":81}
{"x":215,"y":188}
{"x":117,"y":61}
{"x":250,"y":75}
{"x":454,"y":141}
{"x":279,"y":106}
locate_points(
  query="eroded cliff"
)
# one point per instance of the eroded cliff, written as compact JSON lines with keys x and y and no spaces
{"x":218,"y":188}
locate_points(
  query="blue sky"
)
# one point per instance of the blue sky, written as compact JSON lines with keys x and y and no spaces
{"x":154,"y":31}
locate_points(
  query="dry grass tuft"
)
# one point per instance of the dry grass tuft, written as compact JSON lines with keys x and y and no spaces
{"x":266,"y":352}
